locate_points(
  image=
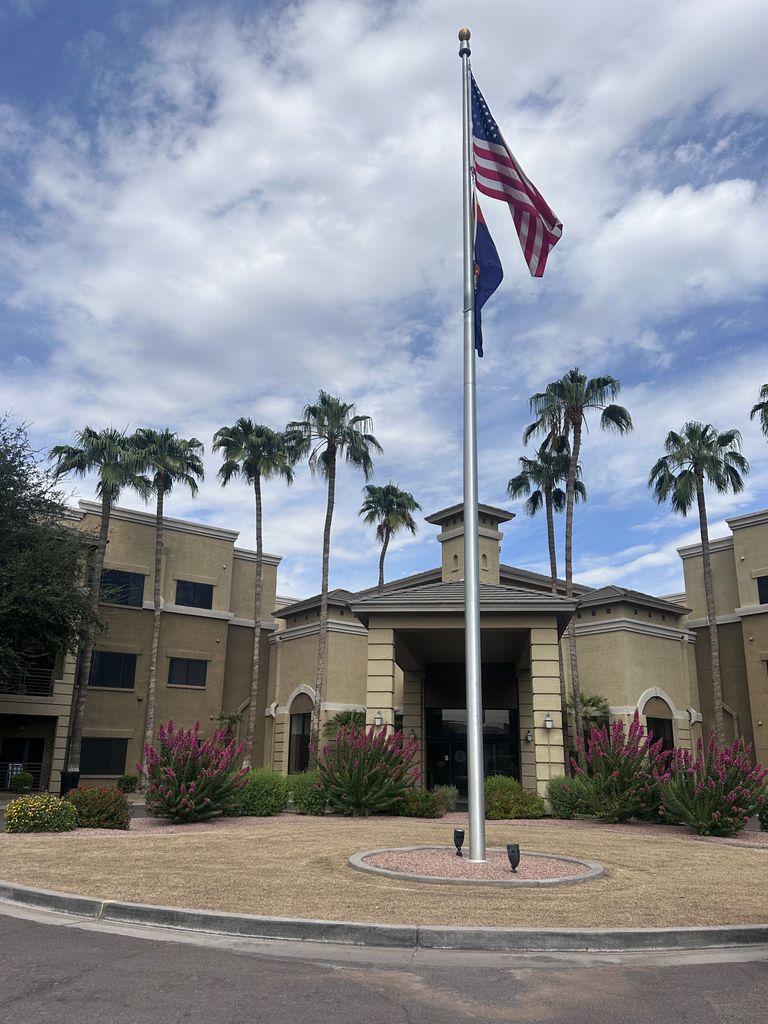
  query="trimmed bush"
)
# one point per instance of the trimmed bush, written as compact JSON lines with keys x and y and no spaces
{"x":448,"y":797}
{"x":368,"y":772}
{"x":623,"y":772}
{"x":128,"y":783}
{"x":506,"y":798}
{"x":100,"y":807}
{"x":40,"y":813}
{"x":718,"y":791}
{"x":308,"y":793}
{"x":420,"y":803}
{"x":190,"y":778}
{"x":21,"y":782}
{"x":263,"y":793}
{"x":762,"y":815}
{"x":567,"y":797}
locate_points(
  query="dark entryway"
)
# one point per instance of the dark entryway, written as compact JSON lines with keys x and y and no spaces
{"x":446,"y":724}
{"x":21,"y":754}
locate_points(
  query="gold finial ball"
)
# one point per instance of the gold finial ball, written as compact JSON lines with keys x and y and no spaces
{"x":464,"y":35}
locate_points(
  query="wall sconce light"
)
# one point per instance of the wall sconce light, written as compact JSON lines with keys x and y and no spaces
{"x":548,"y":723}
{"x":529,"y":737}
{"x":378,"y":720}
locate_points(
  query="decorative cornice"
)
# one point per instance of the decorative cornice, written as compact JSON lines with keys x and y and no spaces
{"x":203,"y":613}
{"x":694,"y":550}
{"x":720,"y":620}
{"x":752,"y":609}
{"x":750,"y":519}
{"x":313,"y":628}
{"x":634,"y":626}
{"x":268,"y":627}
{"x":458,"y":531}
{"x":246,"y":555}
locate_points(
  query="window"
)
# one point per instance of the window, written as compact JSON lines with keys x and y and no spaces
{"x":194,"y":595}
{"x":118,"y":587}
{"x":762,"y":589}
{"x":298,"y":744}
{"x":103,"y":756}
{"x":114,"y":669}
{"x":187,"y":672}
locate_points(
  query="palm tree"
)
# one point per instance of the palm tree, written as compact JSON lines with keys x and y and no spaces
{"x":539,"y":479}
{"x":696,"y":456}
{"x":761,"y":409}
{"x":168,"y":460}
{"x":567,"y":402}
{"x":392,"y":510}
{"x":328,"y":428}
{"x":108,"y":454}
{"x":254,"y":453}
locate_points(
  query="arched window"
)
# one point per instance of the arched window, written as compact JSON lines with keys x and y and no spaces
{"x":484,"y":562}
{"x":298,"y":737}
{"x":658,"y":716}
{"x":455,"y":563}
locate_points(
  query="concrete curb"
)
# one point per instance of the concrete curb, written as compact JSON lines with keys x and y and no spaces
{"x":595,"y":870}
{"x":500,"y":940}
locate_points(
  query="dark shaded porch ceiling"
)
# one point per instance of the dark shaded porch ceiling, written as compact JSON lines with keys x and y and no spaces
{"x":415,"y":648}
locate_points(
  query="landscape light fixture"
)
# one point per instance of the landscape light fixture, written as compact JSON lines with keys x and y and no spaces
{"x":529,"y":737}
{"x":548,"y":723}
{"x":513,"y":852}
{"x":377,"y":720}
{"x":458,"y":840}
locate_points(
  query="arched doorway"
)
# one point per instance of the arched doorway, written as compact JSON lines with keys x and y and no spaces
{"x":298,"y":733}
{"x":659,"y":721}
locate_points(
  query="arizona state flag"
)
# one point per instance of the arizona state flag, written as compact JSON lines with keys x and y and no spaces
{"x":488,"y":272}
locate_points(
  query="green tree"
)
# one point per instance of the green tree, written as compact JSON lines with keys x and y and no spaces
{"x":567,"y":402}
{"x":253,"y":453}
{"x":44,"y":609}
{"x":168,"y":460}
{"x":329,"y":428}
{"x":696,"y":456}
{"x":391,"y":510}
{"x":108,"y":454}
{"x":761,"y":409}
{"x":539,"y":481}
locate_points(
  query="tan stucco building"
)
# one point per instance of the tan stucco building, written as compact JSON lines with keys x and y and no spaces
{"x":397,"y":655}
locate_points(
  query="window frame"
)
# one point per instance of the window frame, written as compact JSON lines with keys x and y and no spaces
{"x":112,"y":771}
{"x":762,"y":589}
{"x":123,"y":655}
{"x":174,"y":662}
{"x":199,"y":591}
{"x":295,"y":754}
{"x":134,"y":592}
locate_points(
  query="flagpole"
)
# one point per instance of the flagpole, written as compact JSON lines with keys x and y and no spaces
{"x":472,"y":658}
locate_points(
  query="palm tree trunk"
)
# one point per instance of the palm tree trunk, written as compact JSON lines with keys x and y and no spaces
{"x":384,"y":547}
{"x":322,"y":640}
{"x":250,"y":725}
{"x":86,"y":655}
{"x":569,"y":502}
{"x":561,"y":667}
{"x":714,"y":642}
{"x":149,"y":721}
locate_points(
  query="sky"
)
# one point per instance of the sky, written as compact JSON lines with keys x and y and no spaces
{"x":213,"y":210}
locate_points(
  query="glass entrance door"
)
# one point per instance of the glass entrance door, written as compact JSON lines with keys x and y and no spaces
{"x":447,"y":745}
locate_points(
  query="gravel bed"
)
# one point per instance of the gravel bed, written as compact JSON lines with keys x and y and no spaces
{"x":442,"y":862}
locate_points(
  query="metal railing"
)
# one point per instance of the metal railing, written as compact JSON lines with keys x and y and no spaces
{"x":28,"y":682}
{"x":10,"y":768}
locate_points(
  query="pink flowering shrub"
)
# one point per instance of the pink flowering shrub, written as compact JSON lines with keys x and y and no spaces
{"x":621,"y":777}
{"x":717,"y":792}
{"x":190,"y":778}
{"x":368,"y":772}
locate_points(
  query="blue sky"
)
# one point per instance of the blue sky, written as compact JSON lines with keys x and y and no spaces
{"x":210,"y":210}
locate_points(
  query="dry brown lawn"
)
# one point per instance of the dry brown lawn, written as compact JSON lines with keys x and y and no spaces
{"x":297,"y":867}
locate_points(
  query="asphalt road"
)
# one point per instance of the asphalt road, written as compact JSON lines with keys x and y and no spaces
{"x":55,"y":970}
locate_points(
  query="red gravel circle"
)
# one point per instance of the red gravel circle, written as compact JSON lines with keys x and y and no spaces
{"x":442,"y":862}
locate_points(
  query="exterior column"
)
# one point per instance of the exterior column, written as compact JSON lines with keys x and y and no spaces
{"x":525,"y":707}
{"x":380,"y":676}
{"x":545,"y":687}
{"x":413,"y":715}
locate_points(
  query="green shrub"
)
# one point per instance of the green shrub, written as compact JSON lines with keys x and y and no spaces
{"x":718,"y":791}
{"x":567,"y":797}
{"x":762,"y":815}
{"x":263,"y":794}
{"x":368,"y":772}
{"x":40,"y":813}
{"x":128,"y":783}
{"x":100,"y":807}
{"x":190,"y":778}
{"x":21,"y":782}
{"x":506,"y":798}
{"x":420,"y":803}
{"x":448,"y":797}
{"x":341,"y":719}
{"x":308,"y":793}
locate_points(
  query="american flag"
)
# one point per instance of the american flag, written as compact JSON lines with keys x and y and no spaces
{"x":500,"y":176}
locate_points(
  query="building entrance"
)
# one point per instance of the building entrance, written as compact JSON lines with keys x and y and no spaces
{"x":446,"y":754}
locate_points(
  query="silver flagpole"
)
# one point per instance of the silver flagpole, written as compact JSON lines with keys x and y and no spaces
{"x":472,"y":660}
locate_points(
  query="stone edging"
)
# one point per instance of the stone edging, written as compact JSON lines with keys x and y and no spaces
{"x":354,"y":933}
{"x":357,"y":861}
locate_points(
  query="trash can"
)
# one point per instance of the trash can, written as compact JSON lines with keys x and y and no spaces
{"x":69,"y":780}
